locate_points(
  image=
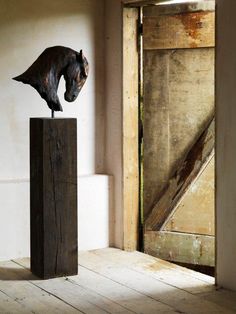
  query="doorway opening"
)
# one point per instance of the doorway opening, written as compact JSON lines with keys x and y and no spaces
{"x":177,"y":132}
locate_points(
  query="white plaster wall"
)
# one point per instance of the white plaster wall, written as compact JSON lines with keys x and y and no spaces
{"x":15,"y":219}
{"x":26,"y":29}
{"x":94,"y":221}
{"x":226,"y":143}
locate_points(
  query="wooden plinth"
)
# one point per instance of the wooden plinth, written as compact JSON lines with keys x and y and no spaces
{"x":53,"y":197}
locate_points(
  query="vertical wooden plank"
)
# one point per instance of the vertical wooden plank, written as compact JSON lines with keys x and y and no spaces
{"x":53,"y":194}
{"x":178,"y":108}
{"x":130,"y":129}
{"x":172,"y":106}
{"x":156,"y":126}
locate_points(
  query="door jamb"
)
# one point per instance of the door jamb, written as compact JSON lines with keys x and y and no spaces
{"x":130,"y":129}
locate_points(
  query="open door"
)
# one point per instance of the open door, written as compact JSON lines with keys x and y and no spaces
{"x":178,"y":132}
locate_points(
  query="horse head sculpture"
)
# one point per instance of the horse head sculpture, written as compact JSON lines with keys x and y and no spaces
{"x":45,"y":73}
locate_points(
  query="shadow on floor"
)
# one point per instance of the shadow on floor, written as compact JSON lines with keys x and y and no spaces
{"x":16,"y":274}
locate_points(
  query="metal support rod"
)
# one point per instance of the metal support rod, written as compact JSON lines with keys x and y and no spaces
{"x":53,"y":115}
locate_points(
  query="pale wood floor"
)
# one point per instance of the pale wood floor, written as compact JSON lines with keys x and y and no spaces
{"x":112,"y":281}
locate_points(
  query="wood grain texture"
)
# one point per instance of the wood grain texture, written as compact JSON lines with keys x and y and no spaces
{"x":195,"y":212}
{"x":130,"y":130}
{"x":176,"y":8}
{"x":195,"y":6}
{"x":113,"y":281}
{"x":19,"y":285}
{"x":181,"y":247}
{"x":196,"y":159}
{"x":182,"y":30}
{"x":11,"y":306}
{"x":178,"y":96}
{"x":137,"y":2}
{"x":53,"y":196}
{"x":178,"y":108}
{"x":79,"y":292}
{"x":160,"y":270}
{"x":147,"y":284}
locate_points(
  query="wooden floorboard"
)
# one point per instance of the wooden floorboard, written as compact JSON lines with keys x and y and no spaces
{"x":79,"y":296}
{"x":168,"y":273}
{"x":116,"y":282}
{"x":10,"y":305}
{"x":224,"y":298}
{"x":176,"y":298}
{"x":16,"y":285}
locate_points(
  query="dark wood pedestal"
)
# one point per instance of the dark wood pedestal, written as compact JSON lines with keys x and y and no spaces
{"x":53,"y":197}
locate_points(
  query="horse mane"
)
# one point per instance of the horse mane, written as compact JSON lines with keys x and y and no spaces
{"x":45,"y":73}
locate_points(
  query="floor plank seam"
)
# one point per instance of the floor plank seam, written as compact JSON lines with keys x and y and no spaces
{"x":153,"y":277}
{"x":146,"y":295}
{"x":16,"y":300}
{"x":55,"y":296}
{"x":50,"y":293}
{"x":176,"y":269}
{"x":163,"y":281}
{"x":75,"y":283}
{"x":195,"y":295}
{"x":106,"y":269}
{"x":101,"y":295}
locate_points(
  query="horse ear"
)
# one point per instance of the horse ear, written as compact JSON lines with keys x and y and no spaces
{"x":80,"y":56}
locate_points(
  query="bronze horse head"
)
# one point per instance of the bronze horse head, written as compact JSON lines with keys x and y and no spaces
{"x":45,"y":73}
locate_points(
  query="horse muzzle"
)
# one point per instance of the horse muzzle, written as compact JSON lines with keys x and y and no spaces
{"x":70,"y":98}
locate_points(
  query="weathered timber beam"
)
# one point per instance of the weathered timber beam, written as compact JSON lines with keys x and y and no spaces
{"x":139,"y":3}
{"x":161,"y":31}
{"x":130,"y":130}
{"x":181,"y":247}
{"x":194,"y":161}
{"x":136,"y":3}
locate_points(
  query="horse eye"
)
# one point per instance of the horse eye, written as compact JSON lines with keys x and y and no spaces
{"x":83,"y":75}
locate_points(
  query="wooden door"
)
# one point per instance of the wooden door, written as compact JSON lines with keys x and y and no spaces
{"x":178,"y":132}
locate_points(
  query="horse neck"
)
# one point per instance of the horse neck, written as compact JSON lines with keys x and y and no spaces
{"x":59,"y":64}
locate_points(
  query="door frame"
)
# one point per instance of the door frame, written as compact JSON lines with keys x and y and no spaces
{"x":130,"y":127}
{"x":225,"y":148}
{"x":130,"y":132}
{"x":130,"y":121}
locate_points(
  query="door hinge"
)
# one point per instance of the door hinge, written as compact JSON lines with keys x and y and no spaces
{"x":139,"y":34}
{"x":140,"y":29}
